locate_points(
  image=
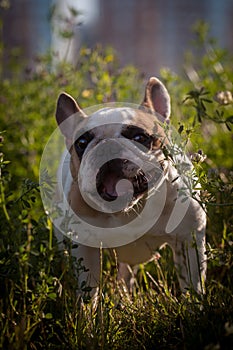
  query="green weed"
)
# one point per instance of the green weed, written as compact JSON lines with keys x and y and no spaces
{"x":40,"y":303}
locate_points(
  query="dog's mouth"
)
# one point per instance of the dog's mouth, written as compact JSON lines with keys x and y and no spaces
{"x":119,"y":178}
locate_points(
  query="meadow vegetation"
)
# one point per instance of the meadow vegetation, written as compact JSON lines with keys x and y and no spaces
{"x":39,"y":303}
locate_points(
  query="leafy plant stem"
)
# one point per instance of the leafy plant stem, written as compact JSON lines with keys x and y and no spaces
{"x":3,"y":199}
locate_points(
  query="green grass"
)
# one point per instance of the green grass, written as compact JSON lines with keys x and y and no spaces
{"x":40,"y":306}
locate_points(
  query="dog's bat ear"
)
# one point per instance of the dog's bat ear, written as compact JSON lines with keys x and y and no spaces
{"x":157,"y":98}
{"x":67,"y":107}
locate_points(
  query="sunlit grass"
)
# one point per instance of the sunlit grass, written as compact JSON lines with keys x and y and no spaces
{"x":42,"y":306}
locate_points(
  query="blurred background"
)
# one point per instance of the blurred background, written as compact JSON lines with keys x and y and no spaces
{"x":45,"y":49}
{"x":149,"y":34}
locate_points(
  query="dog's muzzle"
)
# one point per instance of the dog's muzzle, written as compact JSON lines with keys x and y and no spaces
{"x":110,"y":178}
{"x":116,"y":173}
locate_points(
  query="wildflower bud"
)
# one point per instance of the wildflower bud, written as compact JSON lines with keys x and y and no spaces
{"x":66,"y":253}
{"x":198,"y":157}
{"x":224,"y":97}
{"x":156,"y":256}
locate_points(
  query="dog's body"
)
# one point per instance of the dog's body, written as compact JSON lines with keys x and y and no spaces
{"x":180,"y":220}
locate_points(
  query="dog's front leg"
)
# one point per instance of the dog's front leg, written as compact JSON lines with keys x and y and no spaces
{"x":190,"y":261}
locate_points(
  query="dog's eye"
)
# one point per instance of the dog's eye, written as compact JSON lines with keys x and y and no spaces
{"x":138,"y":135}
{"x":82,"y":142}
{"x":141,"y":138}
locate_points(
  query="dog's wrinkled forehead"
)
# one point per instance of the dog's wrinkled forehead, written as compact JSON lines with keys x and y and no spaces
{"x":109,"y":122}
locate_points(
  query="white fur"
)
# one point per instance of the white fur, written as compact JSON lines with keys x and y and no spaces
{"x":182,"y":221}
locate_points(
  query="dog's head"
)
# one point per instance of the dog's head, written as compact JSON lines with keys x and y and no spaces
{"x":113,"y":150}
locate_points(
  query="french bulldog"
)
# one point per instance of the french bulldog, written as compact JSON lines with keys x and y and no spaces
{"x":93,"y":184}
